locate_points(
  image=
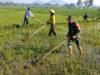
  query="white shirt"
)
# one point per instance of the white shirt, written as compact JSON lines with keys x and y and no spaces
{"x":31,"y":14}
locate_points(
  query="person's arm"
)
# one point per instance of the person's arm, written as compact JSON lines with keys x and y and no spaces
{"x":31,"y":14}
{"x":87,"y":14}
{"x":78,"y":29}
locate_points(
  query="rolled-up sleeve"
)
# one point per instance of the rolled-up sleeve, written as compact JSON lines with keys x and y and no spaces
{"x":31,"y":14}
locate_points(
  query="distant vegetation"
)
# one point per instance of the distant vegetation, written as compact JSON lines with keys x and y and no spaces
{"x":80,"y":4}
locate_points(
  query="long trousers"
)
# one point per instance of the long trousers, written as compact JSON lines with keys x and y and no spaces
{"x":52,"y":30}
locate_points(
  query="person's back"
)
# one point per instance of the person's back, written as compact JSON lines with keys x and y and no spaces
{"x":27,"y":14}
{"x":85,"y":16}
{"x":72,"y":28}
{"x":52,"y":19}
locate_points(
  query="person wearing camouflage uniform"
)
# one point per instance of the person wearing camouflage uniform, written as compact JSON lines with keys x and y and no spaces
{"x":73,"y":34}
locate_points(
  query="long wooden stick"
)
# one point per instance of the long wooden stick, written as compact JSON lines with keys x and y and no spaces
{"x":37,"y":30}
{"x":50,"y":52}
{"x":40,"y":21}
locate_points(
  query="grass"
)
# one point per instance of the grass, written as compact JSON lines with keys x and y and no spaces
{"x":15,"y":54}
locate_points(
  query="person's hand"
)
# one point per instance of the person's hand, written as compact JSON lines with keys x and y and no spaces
{"x":46,"y":23}
{"x":33,"y":17}
{"x":73,"y":37}
{"x":67,"y":35}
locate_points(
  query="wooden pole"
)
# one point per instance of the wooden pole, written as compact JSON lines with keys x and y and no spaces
{"x":49,"y":52}
{"x":27,"y":38}
{"x":35,"y":32}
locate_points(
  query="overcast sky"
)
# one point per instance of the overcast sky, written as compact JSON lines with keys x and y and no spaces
{"x":96,"y":2}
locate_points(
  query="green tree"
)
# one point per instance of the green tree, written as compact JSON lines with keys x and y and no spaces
{"x":91,"y":2}
{"x":88,"y":3}
{"x":79,"y":3}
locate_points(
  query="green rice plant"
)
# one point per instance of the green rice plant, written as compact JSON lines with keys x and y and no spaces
{"x":95,"y":63}
{"x":16,"y":65}
{"x":1,"y":72}
{"x":88,"y":71}
{"x":38,"y":72}
{"x":7,"y":68}
{"x":65,"y":69}
{"x":19,"y":70}
{"x":9,"y":72}
{"x":18,"y":52}
{"x":48,"y":71}
{"x":26,"y":72}
{"x":30,"y":66}
{"x":99,"y":68}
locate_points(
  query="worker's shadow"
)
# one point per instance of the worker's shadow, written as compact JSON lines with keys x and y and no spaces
{"x":16,"y":26}
{"x":98,"y":18}
{"x":12,"y":26}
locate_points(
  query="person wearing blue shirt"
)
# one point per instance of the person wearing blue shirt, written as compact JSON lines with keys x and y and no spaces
{"x":27,"y":14}
{"x":86,"y":16}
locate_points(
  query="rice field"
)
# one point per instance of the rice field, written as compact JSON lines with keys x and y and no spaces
{"x":16,"y":56}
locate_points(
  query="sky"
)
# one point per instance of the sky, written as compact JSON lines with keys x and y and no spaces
{"x":96,"y":2}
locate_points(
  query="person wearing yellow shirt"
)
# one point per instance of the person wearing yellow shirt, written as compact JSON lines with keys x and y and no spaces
{"x":52,"y":22}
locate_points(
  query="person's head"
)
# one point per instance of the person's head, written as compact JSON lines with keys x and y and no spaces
{"x":28,"y":8}
{"x":86,"y":14}
{"x":52,"y":12}
{"x":70,"y":19}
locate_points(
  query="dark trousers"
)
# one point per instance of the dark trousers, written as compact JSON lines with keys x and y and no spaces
{"x":26,"y":21}
{"x":52,"y":30}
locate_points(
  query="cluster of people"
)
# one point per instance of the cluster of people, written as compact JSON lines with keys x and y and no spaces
{"x":73,"y":33}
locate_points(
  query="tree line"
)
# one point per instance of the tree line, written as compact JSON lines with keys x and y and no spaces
{"x":80,"y":3}
{"x":86,"y":3}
